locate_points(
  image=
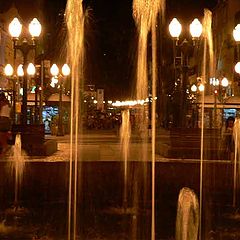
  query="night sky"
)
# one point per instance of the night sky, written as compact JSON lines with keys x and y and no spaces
{"x":111,"y":35}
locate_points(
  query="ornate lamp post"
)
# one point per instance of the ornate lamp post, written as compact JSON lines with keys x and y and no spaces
{"x":64,"y":73}
{"x":9,"y":72}
{"x":15,"y":29}
{"x":219,"y":90}
{"x":196,"y":90}
{"x":236,"y":36}
{"x":175,"y":29}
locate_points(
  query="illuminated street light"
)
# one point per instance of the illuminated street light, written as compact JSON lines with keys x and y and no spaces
{"x":224,"y":82}
{"x":8,"y":70}
{"x":15,"y":29}
{"x":31,"y":70}
{"x":175,"y":29}
{"x":236,"y":33}
{"x":201,"y":87}
{"x":54,"y":70}
{"x":193,"y":88}
{"x":237,"y":68}
{"x":195,"y":28}
{"x":20,"y":71}
{"x":65,"y":71}
{"x":35,"y":28}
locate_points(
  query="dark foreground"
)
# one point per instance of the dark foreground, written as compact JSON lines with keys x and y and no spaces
{"x":102,"y":212}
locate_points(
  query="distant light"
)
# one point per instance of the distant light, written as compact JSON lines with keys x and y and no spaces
{"x":31,"y":70}
{"x":236,"y":33}
{"x":193,"y":88}
{"x":224,"y":82}
{"x":54,"y":70}
{"x":21,"y":91}
{"x":201,"y":87}
{"x":66,"y":70}
{"x":95,"y":101}
{"x":8,"y":70}
{"x":20,"y":71}
{"x":237,"y":68}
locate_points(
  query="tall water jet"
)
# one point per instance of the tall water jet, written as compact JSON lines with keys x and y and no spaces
{"x":75,"y":30}
{"x":17,"y":214}
{"x":145,"y":13}
{"x":207,"y":70}
{"x":187,"y":221}
{"x":236,"y":137}
{"x":125,"y":134}
{"x":18,"y":165}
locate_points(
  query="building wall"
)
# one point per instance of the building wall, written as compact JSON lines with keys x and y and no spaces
{"x":224,"y":21}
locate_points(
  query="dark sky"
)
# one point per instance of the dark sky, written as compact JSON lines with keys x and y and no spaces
{"x":111,"y":35}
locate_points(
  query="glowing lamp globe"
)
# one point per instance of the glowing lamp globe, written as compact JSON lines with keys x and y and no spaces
{"x":65,"y":70}
{"x":175,"y":28}
{"x":31,"y":70}
{"x":201,"y":87}
{"x":8,"y":70}
{"x":193,"y":88}
{"x":54,"y":70}
{"x":195,"y":28}
{"x":224,"y":82}
{"x":35,"y":28}
{"x":236,"y":33}
{"x":20,"y":71}
{"x":15,"y":28}
{"x":237,"y":68}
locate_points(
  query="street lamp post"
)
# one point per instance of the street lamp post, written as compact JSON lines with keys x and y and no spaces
{"x":175,"y":29}
{"x":64,"y":73}
{"x":15,"y":28}
{"x":219,"y":91}
{"x":9,"y":72}
{"x":236,"y":36}
{"x":196,"y":89}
